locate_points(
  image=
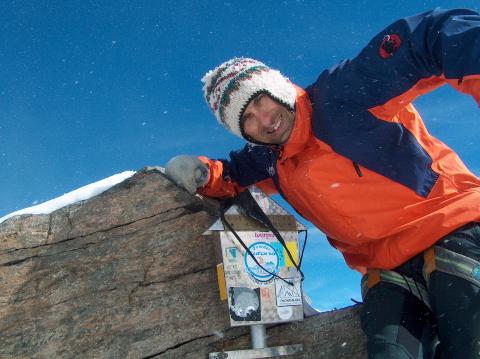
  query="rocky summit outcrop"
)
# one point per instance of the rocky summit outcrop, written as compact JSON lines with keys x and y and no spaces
{"x":128,"y":274}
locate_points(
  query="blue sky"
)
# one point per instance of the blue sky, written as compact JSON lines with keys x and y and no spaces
{"x":93,"y":88}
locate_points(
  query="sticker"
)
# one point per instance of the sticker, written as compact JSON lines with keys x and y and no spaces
{"x":231,"y":254}
{"x":288,"y":295}
{"x":280,"y":252}
{"x":265,"y":293}
{"x":267,"y":256}
{"x":265,"y":236}
{"x":285,"y":312}
{"x":244,"y":304}
{"x":292,"y":247}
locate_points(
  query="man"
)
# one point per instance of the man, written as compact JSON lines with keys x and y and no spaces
{"x":351,"y":154}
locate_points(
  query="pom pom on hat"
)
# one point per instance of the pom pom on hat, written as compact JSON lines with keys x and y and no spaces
{"x":231,"y":86}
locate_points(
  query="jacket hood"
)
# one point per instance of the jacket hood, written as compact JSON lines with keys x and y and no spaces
{"x":302,"y":128}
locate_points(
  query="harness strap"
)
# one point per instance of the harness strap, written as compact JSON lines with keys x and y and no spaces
{"x":374,"y":276}
{"x":429,"y":262}
{"x":455,"y":264}
{"x":435,"y":258}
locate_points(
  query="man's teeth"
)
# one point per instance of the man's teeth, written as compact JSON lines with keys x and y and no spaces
{"x":276,"y":126}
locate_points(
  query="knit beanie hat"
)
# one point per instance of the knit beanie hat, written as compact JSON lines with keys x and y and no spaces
{"x":229,"y":88}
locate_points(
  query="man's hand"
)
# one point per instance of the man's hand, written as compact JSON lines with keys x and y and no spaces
{"x":188,"y":172}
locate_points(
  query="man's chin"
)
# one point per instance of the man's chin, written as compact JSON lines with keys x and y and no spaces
{"x":285,"y":137}
{"x":274,"y":140}
{"x":281,"y":139}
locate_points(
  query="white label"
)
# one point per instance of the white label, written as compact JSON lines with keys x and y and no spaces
{"x":286,"y":294}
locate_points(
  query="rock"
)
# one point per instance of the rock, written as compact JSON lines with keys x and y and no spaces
{"x":128,"y":274}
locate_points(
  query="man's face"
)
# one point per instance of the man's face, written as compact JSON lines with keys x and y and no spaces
{"x":265,"y":120}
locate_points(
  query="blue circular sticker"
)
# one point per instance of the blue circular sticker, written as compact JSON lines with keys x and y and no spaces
{"x":266,"y":256}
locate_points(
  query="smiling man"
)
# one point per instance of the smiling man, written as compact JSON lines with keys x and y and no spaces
{"x":266,"y":121}
{"x":352,"y":155}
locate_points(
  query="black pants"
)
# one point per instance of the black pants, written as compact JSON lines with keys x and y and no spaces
{"x":399,"y":325}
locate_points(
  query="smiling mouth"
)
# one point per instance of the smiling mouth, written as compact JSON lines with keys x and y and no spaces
{"x":275,"y":126}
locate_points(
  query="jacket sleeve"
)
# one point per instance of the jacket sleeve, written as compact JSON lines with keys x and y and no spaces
{"x":251,"y":165}
{"x":363,"y":106}
{"x":410,"y":57}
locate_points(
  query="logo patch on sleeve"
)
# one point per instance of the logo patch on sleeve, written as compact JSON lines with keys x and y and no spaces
{"x":390,"y":44}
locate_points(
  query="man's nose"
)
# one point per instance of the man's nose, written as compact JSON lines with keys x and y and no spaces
{"x":265,"y":118}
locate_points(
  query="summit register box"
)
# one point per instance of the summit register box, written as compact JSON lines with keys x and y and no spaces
{"x":256,"y":295}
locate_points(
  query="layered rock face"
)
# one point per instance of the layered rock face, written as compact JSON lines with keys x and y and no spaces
{"x":128,"y":274}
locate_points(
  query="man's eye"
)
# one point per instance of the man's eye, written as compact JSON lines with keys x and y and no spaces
{"x":245,"y":118}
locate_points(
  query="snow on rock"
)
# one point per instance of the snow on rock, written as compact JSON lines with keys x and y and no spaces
{"x":80,"y":194}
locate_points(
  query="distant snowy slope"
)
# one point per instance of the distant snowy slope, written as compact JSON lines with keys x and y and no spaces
{"x":77,"y":195}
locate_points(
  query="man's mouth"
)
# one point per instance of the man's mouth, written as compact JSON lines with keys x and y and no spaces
{"x":275,"y":126}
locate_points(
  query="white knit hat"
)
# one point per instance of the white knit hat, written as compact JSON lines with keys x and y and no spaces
{"x":229,"y":88}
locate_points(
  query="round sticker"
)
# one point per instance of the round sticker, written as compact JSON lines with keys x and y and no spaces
{"x":266,"y":255}
{"x":285,"y":312}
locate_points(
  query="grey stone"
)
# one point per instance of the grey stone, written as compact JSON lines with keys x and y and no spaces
{"x":128,"y":274}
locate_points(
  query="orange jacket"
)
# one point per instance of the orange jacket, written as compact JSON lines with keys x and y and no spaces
{"x":360,"y":164}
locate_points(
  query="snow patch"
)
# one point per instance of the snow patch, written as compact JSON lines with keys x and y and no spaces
{"x":80,"y":194}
